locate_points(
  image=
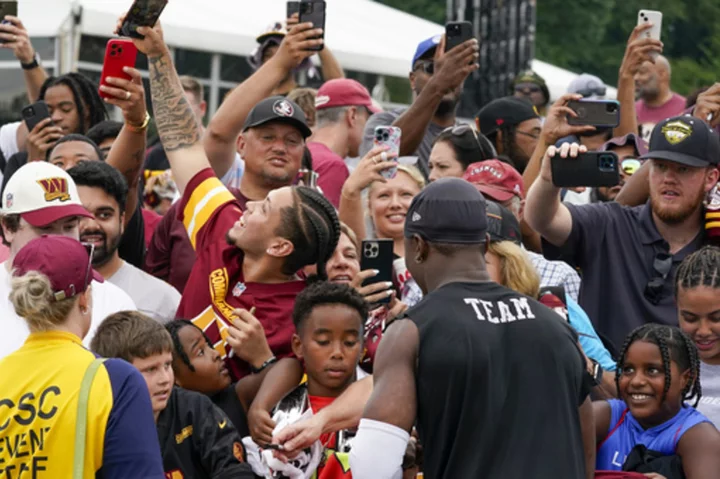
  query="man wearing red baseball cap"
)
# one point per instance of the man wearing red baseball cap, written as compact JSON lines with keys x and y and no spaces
{"x":342,"y":106}
{"x":42,"y":199}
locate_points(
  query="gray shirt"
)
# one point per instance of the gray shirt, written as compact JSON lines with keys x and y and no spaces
{"x":710,"y":402}
{"x":615,"y":248}
{"x":386,"y":118}
{"x":152,"y":296}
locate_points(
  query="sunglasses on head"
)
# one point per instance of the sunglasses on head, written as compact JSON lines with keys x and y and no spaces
{"x":427,"y":66}
{"x":461,"y":130}
{"x":662,"y":264}
{"x":630,"y":165}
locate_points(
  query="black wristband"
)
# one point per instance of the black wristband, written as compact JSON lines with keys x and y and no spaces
{"x":33,"y":64}
{"x":267,"y":363}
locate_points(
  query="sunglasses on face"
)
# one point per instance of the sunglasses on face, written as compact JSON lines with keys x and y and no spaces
{"x":527,"y":89}
{"x":662,"y":264}
{"x":426,"y":66}
{"x":630,"y":165}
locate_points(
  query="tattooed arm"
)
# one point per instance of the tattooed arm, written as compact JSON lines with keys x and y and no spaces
{"x":128,"y":149}
{"x":176,"y":123}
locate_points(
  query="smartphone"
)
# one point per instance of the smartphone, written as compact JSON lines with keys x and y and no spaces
{"x":35,"y":113}
{"x":119,"y":53}
{"x":388,"y":136}
{"x":594,"y":168}
{"x":457,"y":33}
{"x":653,"y":16}
{"x":313,"y":11}
{"x":378,"y":254}
{"x":599,"y":113}
{"x":292,"y":8}
{"x":142,"y":13}
{"x":7,"y":8}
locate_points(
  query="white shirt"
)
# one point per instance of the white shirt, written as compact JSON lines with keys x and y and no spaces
{"x":8,"y":139}
{"x":106,"y":297}
{"x":152,"y":296}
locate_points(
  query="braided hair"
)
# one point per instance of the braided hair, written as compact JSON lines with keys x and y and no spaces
{"x":174,"y":327}
{"x":508,"y":138}
{"x":85,"y":95}
{"x":311,"y":224}
{"x":702,"y":268}
{"x":675,"y":346}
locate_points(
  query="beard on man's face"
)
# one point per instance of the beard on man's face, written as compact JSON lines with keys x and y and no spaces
{"x":675,"y":215}
{"x":105,"y":250}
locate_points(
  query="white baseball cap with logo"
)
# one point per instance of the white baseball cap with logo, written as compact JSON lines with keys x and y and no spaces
{"x":41,"y":194}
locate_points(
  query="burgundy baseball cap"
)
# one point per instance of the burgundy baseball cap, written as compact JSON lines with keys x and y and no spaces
{"x":343,"y":92}
{"x":631,"y":139}
{"x":495,"y":179}
{"x":65,"y":261}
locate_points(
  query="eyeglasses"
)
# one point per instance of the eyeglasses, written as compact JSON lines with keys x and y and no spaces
{"x":630,"y":165}
{"x":534,"y":136}
{"x":460,"y":130}
{"x":662,"y":264}
{"x":428,"y":66}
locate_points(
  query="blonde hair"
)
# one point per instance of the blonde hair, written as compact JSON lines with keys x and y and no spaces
{"x":516,"y":269}
{"x":347,"y":231}
{"x":412,"y":171}
{"x":32,"y":296}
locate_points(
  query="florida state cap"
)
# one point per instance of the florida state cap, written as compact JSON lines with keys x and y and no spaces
{"x":42,"y":193}
{"x":277,"y":109}
{"x":64,"y":260}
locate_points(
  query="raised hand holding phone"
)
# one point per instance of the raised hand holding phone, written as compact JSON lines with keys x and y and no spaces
{"x":42,"y":133}
{"x":142,"y":13}
{"x":313,"y":11}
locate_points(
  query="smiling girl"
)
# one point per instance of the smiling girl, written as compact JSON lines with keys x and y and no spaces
{"x":697,"y":292}
{"x":658,"y":370}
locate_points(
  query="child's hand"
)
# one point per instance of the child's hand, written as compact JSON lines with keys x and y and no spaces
{"x":261,"y":425}
{"x":247,"y":338}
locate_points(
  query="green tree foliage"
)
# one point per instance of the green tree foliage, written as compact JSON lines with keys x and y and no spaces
{"x":590,"y":35}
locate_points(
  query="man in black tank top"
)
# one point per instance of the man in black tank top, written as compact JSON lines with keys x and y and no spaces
{"x":495,"y":380}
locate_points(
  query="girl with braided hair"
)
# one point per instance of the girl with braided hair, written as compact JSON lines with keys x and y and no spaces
{"x":697,"y":293}
{"x":658,"y":380}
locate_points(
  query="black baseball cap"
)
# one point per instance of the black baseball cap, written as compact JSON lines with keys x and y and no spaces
{"x":278,"y":109}
{"x":685,"y":140}
{"x":502,"y":224}
{"x":504,"y":111}
{"x":448,"y":210}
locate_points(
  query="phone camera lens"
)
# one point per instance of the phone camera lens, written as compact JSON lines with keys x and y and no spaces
{"x":113,"y":53}
{"x":386,"y":136}
{"x":612,"y":107}
{"x":31,"y":111}
{"x":119,"y":50}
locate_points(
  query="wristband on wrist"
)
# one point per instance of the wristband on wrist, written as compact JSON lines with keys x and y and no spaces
{"x":267,"y":363}
{"x":33,"y":64}
{"x":139,"y":128}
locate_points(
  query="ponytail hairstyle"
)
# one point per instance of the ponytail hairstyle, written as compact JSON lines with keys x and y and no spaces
{"x":32,"y":296}
{"x":311,"y":224}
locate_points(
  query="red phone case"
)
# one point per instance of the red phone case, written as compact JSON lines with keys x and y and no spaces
{"x":119,"y":53}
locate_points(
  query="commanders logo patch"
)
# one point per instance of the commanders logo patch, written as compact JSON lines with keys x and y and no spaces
{"x":55,"y":189}
{"x":676,"y":131}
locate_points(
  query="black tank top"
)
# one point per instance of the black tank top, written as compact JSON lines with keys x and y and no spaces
{"x":499,"y":383}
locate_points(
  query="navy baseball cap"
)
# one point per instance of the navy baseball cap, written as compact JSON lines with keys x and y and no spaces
{"x":685,"y":140}
{"x":631,"y":139}
{"x":502,"y":224}
{"x":448,"y":210}
{"x":425,"y":46}
{"x":506,"y":111}
{"x":277,"y":109}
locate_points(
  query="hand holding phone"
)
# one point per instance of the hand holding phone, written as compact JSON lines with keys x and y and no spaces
{"x":580,"y":167}
{"x":313,"y":11}
{"x":376,"y":264}
{"x":389,"y":136}
{"x":654,"y":17}
{"x":142,"y":13}
{"x":457,"y":33}
{"x":42,"y":133}
{"x":598,"y":113}
{"x":119,"y":53}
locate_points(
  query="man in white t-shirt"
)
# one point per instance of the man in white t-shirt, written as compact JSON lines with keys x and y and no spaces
{"x":104,"y":192}
{"x":42,"y":199}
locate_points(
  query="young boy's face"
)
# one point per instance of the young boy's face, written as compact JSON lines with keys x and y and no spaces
{"x":158,"y":374}
{"x":210,"y":375}
{"x":330,"y":343}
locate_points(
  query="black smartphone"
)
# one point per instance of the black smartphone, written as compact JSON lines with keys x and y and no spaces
{"x":599,"y":113}
{"x":313,"y":11}
{"x":7,"y":8}
{"x":457,"y":33}
{"x":292,"y":8}
{"x":35,"y":113}
{"x":594,"y":168}
{"x":143,"y":13}
{"x":378,"y":254}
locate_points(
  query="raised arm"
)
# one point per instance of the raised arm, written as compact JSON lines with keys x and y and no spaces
{"x":16,"y":38}
{"x":331,"y":68}
{"x":175,"y":120}
{"x":638,"y":51}
{"x":451,"y":70}
{"x":128,"y":151}
{"x":224,"y":128}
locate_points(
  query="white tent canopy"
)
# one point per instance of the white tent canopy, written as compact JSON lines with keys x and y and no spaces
{"x":364,"y":35}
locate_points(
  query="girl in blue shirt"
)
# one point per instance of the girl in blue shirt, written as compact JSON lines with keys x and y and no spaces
{"x":658,"y":370}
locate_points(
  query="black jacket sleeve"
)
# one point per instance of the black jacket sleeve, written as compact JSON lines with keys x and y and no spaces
{"x":219,"y":444}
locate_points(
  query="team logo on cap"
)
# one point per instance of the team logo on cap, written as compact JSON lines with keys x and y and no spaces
{"x":321,"y":100}
{"x":283,"y":108}
{"x":416,"y":216}
{"x":9,"y":200}
{"x":676,"y":131}
{"x":55,"y":189}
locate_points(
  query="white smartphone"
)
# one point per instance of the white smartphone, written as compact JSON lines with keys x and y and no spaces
{"x":654,"y":17}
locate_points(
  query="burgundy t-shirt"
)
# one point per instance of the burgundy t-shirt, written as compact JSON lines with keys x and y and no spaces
{"x":170,"y":256}
{"x":331,"y":169}
{"x":649,"y":116}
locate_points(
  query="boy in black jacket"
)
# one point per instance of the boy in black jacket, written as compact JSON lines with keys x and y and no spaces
{"x":196,"y":438}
